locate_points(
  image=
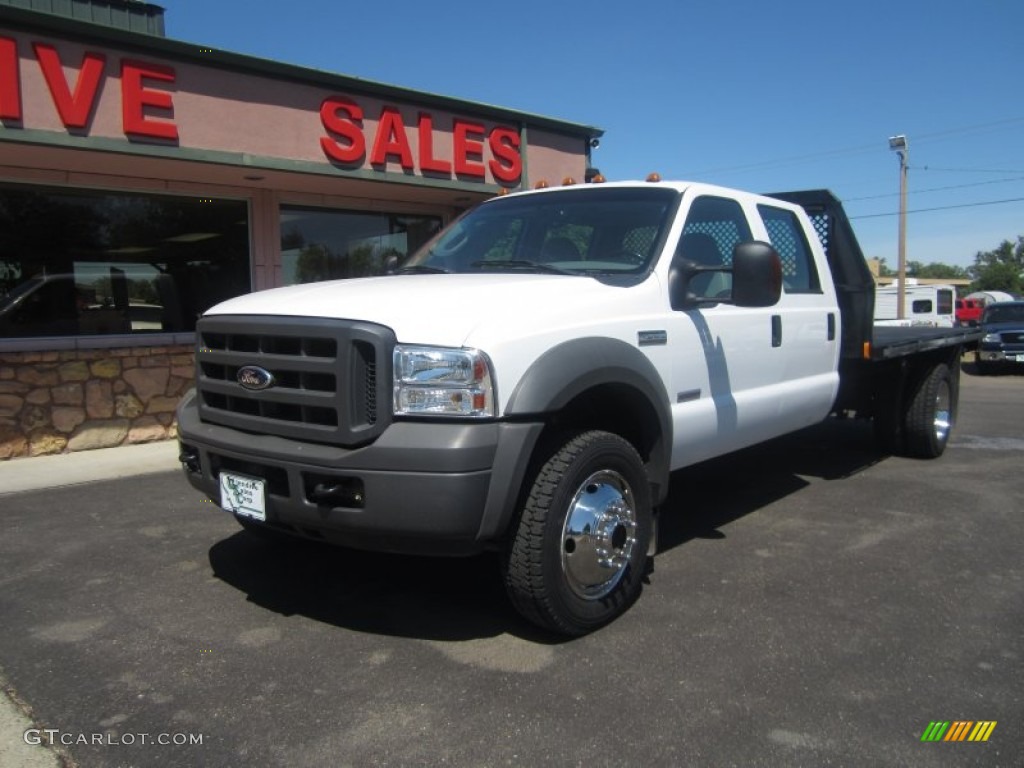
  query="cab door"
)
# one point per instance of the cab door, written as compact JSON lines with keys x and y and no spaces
{"x":742,"y":375}
{"x":810,"y":332}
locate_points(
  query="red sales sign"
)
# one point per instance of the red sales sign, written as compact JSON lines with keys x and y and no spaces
{"x":147,"y":112}
{"x":346,"y":143}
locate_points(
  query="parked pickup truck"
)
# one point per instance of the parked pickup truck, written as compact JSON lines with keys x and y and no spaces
{"x":527,"y":381}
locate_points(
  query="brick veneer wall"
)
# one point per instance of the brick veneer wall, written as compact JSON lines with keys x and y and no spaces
{"x":76,"y":400}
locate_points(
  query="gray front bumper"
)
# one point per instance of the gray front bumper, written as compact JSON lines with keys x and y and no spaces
{"x":421,"y":487}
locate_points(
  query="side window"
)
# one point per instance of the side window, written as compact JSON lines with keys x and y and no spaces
{"x":787,"y":237}
{"x":922,"y":307}
{"x":714,"y":226}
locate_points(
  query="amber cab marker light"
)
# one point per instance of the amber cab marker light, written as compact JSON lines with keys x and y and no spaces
{"x":542,"y":184}
{"x":654,"y":177}
{"x":598,"y":179}
{"x":568,"y":181}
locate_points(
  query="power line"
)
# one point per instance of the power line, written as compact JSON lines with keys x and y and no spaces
{"x":967,"y":129}
{"x":783,"y":161}
{"x":962,"y":170}
{"x":936,"y":189}
{"x":863,"y":148}
{"x":940,"y":208}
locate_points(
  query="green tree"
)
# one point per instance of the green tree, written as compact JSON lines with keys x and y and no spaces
{"x":1001,"y":269}
{"x":937,"y":271}
{"x":313,"y":264}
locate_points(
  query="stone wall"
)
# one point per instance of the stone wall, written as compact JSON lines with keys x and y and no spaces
{"x":76,"y":400}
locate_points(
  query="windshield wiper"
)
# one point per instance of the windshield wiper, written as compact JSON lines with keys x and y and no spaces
{"x":417,"y":269}
{"x":524,"y":264}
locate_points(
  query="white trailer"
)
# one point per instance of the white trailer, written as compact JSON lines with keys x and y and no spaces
{"x":929,"y":305}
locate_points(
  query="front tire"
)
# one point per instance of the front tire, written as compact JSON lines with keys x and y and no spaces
{"x":578,"y":556}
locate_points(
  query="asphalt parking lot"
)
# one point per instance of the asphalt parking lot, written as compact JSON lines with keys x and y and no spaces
{"x":813,"y":603}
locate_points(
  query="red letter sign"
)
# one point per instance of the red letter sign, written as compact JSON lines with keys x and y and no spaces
{"x":427,"y":160}
{"x":343,"y":117}
{"x":10,"y":81}
{"x":467,"y":148}
{"x":135,"y":97}
{"x":391,"y":140}
{"x":507,"y":163}
{"x":74,"y":110}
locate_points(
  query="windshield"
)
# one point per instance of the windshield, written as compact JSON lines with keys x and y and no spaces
{"x":1011,"y":313}
{"x":597,"y":230}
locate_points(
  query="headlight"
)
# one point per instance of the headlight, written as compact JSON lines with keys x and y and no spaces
{"x":991,"y":338}
{"x":441,"y":381}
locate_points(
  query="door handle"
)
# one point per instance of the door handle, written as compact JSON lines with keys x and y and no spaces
{"x":776,"y":330}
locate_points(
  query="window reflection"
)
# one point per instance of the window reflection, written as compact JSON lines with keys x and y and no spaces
{"x":81,"y":262}
{"x":326,"y":244}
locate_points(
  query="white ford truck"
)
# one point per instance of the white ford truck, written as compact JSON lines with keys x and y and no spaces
{"x":527,"y":381}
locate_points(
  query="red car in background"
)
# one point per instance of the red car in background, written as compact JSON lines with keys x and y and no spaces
{"x":968,"y":311}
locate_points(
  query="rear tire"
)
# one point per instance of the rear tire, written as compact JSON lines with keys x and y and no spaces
{"x":930,"y":414}
{"x":578,"y":555}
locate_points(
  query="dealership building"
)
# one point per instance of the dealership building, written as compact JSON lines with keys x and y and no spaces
{"x":143,"y":179}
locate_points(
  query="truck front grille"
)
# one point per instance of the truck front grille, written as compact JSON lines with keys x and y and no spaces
{"x":309,"y":379}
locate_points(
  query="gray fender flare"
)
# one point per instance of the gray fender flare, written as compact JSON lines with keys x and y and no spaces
{"x":552,"y":382}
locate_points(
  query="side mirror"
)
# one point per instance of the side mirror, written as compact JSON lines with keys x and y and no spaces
{"x":680,"y":273}
{"x":756,"y":275}
{"x":756,"y":279}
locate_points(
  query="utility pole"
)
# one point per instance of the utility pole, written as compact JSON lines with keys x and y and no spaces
{"x":899,"y":145}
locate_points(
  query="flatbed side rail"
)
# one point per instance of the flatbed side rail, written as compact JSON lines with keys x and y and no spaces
{"x":892,"y":342}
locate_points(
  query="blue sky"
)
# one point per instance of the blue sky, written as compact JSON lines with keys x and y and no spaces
{"x":749,"y":94}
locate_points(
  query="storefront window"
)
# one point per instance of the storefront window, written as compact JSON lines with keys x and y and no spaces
{"x":323,"y":244}
{"x":80,"y":262}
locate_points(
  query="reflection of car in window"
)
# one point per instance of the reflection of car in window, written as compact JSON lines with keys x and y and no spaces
{"x":46,"y":305}
{"x":58,"y":305}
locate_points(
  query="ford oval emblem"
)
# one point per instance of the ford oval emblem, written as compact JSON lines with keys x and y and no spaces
{"x":255,"y":378}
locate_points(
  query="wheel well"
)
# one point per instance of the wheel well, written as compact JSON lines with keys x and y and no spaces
{"x":622,"y":410}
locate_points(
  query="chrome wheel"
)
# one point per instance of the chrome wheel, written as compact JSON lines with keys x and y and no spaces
{"x":599,"y":535}
{"x":930,"y":413}
{"x":943,"y":420}
{"x":576,"y":558}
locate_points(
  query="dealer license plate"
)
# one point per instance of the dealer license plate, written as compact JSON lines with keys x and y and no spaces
{"x":243,"y":496}
{"x":1020,"y":358}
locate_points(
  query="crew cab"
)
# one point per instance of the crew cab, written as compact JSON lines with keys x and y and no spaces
{"x":527,"y":381}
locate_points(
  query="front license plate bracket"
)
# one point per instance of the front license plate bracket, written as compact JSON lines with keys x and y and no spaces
{"x":245,"y":496}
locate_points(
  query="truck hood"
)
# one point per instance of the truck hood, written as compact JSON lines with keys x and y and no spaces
{"x":449,"y":310}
